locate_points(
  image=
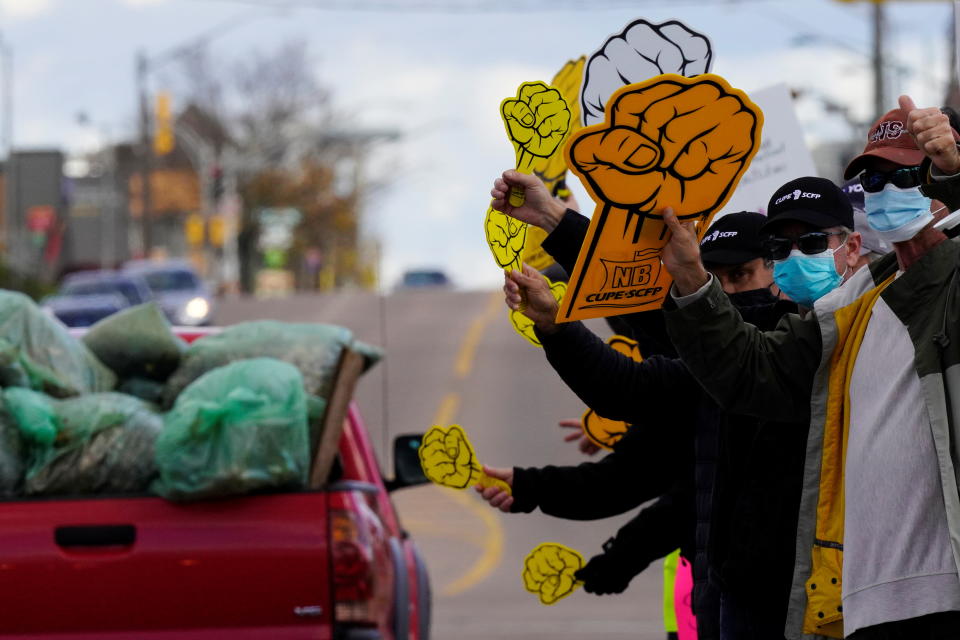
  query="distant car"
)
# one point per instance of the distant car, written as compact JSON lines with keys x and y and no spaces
{"x":424,"y":278}
{"x":182,"y":295}
{"x":85,"y":297}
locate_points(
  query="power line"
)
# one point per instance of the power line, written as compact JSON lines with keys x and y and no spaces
{"x":475,"y":6}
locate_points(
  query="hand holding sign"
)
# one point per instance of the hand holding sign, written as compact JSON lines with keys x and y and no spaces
{"x":548,"y":571}
{"x":533,"y":301}
{"x":448,"y":459}
{"x":537,"y":122}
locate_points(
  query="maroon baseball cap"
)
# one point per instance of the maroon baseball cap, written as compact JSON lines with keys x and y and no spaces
{"x":890,"y":140}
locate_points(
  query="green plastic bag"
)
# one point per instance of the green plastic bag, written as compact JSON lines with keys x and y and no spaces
{"x":136,"y":342}
{"x":37,"y":352}
{"x":102,"y":442}
{"x":34,"y":415}
{"x":236,"y":429}
{"x":315,"y":350}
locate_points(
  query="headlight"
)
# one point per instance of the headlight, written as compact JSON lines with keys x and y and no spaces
{"x":197,"y":309}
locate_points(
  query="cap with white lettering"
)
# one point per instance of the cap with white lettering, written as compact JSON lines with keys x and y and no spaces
{"x":814,"y":201}
{"x":733,"y":239}
{"x":889,"y":139}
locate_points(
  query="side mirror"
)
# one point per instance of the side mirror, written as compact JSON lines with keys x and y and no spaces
{"x":407,"y":471}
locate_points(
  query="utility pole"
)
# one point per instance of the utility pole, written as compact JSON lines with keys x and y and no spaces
{"x":12,"y":200}
{"x":879,"y":86}
{"x":146,"y":155}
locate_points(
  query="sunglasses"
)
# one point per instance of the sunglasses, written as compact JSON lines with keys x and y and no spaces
{"x":811,"y":243}
{"x":904,"y":178}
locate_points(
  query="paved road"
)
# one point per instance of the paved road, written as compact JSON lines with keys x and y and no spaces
{"x":453,"y":357}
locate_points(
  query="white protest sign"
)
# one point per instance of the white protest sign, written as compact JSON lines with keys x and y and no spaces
{"x":783,"y":154}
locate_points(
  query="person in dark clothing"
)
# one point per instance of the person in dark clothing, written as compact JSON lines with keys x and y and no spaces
{"x":618,"y":388}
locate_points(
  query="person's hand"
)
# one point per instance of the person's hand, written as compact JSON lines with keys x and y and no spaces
{"x":496,"y":496}
{"x":531,"y":290}
{"x":570,"y":201}
{"x":681,"y":255}
{"x":668,"y":143}
{"x":539,"y":208}
{"x":586,"y":446}
{"x":607,"y":573}
{"x":930,"y":129}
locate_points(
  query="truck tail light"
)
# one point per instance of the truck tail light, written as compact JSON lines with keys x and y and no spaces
{"x":353,"y":578}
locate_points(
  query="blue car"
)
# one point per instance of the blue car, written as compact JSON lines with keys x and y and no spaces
{"x":86,"y":297}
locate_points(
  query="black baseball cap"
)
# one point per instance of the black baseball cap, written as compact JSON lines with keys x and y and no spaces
{"x":815,"y":201}
{"x":733,"y":239}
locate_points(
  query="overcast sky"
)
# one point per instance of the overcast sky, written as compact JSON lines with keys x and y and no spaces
{"x":438,"y":77}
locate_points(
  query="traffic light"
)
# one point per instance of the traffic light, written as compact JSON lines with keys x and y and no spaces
{"x":163,"y":137}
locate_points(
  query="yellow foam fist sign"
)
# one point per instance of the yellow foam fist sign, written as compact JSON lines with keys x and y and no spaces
{"x":505,"y":237}
{"x":537,"y":121}
{"x":670,"y":141}
{"x":601,"y":431}
{"x":553,"y":169}
{"x":448,"y":459}
{"x":524,"y":325}
{"x":549,"y":569}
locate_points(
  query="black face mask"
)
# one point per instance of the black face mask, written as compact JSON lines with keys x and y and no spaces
{"x":753,"y":298}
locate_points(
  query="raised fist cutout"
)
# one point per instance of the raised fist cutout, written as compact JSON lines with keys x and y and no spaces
{"x":537,"y":122}
{"x":448,"y":459}
{"x":548,"y":571}
{"x":506,"y":237}
{"x":641,"y":51}
{"x":674,"y":142}
{"x":567,"y":81}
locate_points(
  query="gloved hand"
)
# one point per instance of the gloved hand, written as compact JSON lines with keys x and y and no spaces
{"x":611,"y":571}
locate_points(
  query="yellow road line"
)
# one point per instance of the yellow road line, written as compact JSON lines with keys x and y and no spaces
{"x":471,"y":341}
{"x":492,"y":546}
{"x":447,"y":409}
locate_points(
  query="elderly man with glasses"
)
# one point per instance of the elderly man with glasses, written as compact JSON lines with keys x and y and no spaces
{"x":876,"y":369}
{"x":810,"y":238}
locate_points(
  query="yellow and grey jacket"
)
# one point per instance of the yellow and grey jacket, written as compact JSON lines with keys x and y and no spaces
{"x":803,"y":368}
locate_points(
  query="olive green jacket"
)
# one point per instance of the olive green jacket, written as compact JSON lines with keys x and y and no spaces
{"x":800,"y":369}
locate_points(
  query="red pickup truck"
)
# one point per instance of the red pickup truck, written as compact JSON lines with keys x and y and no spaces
{"x":324,"y":563}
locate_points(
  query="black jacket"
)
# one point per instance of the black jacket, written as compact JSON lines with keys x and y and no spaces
{"x":747,"y":472}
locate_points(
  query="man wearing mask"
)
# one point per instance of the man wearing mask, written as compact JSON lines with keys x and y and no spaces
{"x":872,"y":247}
{"x":874,"y":368}
{"x":811,"y":239}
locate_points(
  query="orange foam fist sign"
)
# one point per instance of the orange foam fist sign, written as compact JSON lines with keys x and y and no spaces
{"x":670,"y":141}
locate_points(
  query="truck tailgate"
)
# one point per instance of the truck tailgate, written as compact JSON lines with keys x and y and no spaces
{"x":102,"y":567}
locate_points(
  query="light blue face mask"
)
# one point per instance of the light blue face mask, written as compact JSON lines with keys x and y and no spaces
{"x":897,"y":214}
{"x":805,"y":279}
